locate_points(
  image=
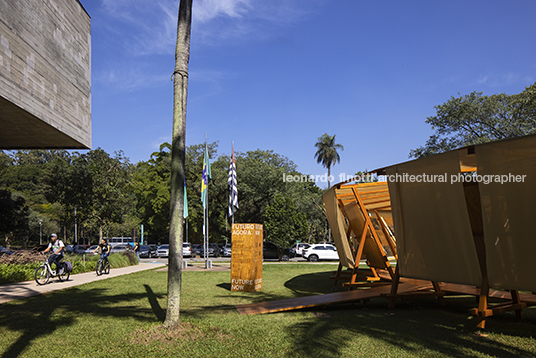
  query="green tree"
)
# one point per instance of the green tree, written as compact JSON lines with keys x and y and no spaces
{"x":151,"y":186}
{"x":327,"y":154}
{"x":284,"y":224}
{"x":110,"y":200}
{"x":475,"y":118}
{"x":13,"y":215}
{"x":260,"y":176}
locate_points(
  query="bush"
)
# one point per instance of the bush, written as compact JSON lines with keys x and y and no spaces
{"x":15,"y":272}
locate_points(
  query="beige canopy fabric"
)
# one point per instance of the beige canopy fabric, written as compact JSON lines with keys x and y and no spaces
{"x":361,"y":213}
{"x":509,"y":211}
{"x":432,"y":227}
{"x":338,"y":228}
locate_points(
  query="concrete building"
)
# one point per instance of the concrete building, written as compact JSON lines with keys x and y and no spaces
{"x":45,"y":75}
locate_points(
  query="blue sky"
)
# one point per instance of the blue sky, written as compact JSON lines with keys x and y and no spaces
{"x":277,"y":74}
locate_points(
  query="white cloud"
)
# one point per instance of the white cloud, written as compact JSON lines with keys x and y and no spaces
{"x":206,"y":10}
{"x":152,"y":25}
{"x":130,"y":78}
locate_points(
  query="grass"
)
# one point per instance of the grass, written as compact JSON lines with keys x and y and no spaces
{"x":122,"y":316}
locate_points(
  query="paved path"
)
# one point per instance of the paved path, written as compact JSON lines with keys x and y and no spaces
{"x":14,"y":291}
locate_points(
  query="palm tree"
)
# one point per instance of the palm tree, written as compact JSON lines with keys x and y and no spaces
{"x":327,"y":153}
{"x":176,"y":224}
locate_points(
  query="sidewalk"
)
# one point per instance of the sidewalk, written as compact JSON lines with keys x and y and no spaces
{"x":15,"y":291}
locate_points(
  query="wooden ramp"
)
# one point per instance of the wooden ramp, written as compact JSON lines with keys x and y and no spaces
{"x":330,"y":298}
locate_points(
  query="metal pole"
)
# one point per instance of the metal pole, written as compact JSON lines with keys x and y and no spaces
{"x":40,"y":231}
{"x":75,"y":229}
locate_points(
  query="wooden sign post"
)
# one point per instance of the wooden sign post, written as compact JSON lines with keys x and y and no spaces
{"x":246,"y":258}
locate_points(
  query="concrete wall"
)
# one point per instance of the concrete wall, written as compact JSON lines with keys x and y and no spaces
{"x":45,"y":74}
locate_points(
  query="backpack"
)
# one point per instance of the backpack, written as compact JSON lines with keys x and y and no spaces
{"x":68,"y":266}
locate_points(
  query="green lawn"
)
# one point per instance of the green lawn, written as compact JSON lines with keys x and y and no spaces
{"x":121,"y":317}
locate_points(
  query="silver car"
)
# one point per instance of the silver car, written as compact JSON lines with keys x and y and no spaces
{"x":162,"y":251}
{"x":187,"y":250}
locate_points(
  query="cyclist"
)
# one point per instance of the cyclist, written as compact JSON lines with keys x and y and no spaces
{"x":57,"y":247}
{"x":104,"y":250}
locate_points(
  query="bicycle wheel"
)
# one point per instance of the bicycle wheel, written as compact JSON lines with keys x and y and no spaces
{"x":99,"y":268}
{"x":42,"y":275}
{"x":107,"y":267}
{"x":64,"y":276}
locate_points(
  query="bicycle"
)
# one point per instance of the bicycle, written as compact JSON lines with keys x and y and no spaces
{"x":103,"y":266}
{"x":44,"y":272}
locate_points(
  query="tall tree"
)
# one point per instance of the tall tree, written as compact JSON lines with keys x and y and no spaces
{"x":13,"y":214}
{"x":475,"y":118}
{"x":284,"y":224}
{"x":110,"y":201}
{"x":151,"y":185}
{"x":176,"y":225}
{"x":327,"y":154}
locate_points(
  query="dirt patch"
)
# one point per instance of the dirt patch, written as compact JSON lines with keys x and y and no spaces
{"x":186,"y":331}
{"x":21,"y":257}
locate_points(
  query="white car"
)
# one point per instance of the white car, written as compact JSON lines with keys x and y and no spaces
{"x":89,"y":250}
{"x":317,"y":252}
{"x":299,"y":248}
{"x":187,"y":250}
{"x":227,"y":250}
{"x":162,"y":251}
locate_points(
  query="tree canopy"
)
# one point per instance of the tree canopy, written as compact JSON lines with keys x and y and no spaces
{"x":283,"y":223}
{"x":475,"y":118}
{"x":113,"y":196}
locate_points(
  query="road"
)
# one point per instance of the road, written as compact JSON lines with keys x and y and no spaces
{"x":164,"y":260}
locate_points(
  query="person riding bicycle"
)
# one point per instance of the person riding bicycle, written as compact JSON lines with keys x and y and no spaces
{"x":57,"y":247}
{"x":104,"y":249}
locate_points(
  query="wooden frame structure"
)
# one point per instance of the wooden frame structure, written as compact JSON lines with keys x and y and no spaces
{"x":362,"y":215}
{"x":453,"y":236}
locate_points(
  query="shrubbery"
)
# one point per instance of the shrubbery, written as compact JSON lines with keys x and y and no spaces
{"x":10,"y":273}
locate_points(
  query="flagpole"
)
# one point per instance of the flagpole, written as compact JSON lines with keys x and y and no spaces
{"x":205,"y":253}
{"x":232,"y":158}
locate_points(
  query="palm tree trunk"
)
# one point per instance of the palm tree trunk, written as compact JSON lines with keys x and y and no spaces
{"x":176,"y":225}
{"x":329,"y":177}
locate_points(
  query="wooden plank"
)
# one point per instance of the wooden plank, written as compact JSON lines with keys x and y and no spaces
{"x":321,"y":300}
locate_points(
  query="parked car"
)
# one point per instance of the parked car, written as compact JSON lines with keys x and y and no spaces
{"x":80,"y":249}
{"x":120,"y":248}
{"x":197,"y":249}
{"x":317,"y":252}
{"x":162,"y":251}
{"x":271,"y":251}
{"x":187,"y":250}
{"x":227,"y":250}
{"x":147,"y":251}
{"x":297,"y":248}
{"x":89,"y":250}
{"x":213,"y":250}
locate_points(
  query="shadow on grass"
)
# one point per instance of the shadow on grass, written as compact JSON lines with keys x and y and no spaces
{"x":312,"y":283}
{"x":226,"y":286}
{"x":415,"y":327}
{"x":159,"y":312}
{"x":40,"y":316}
